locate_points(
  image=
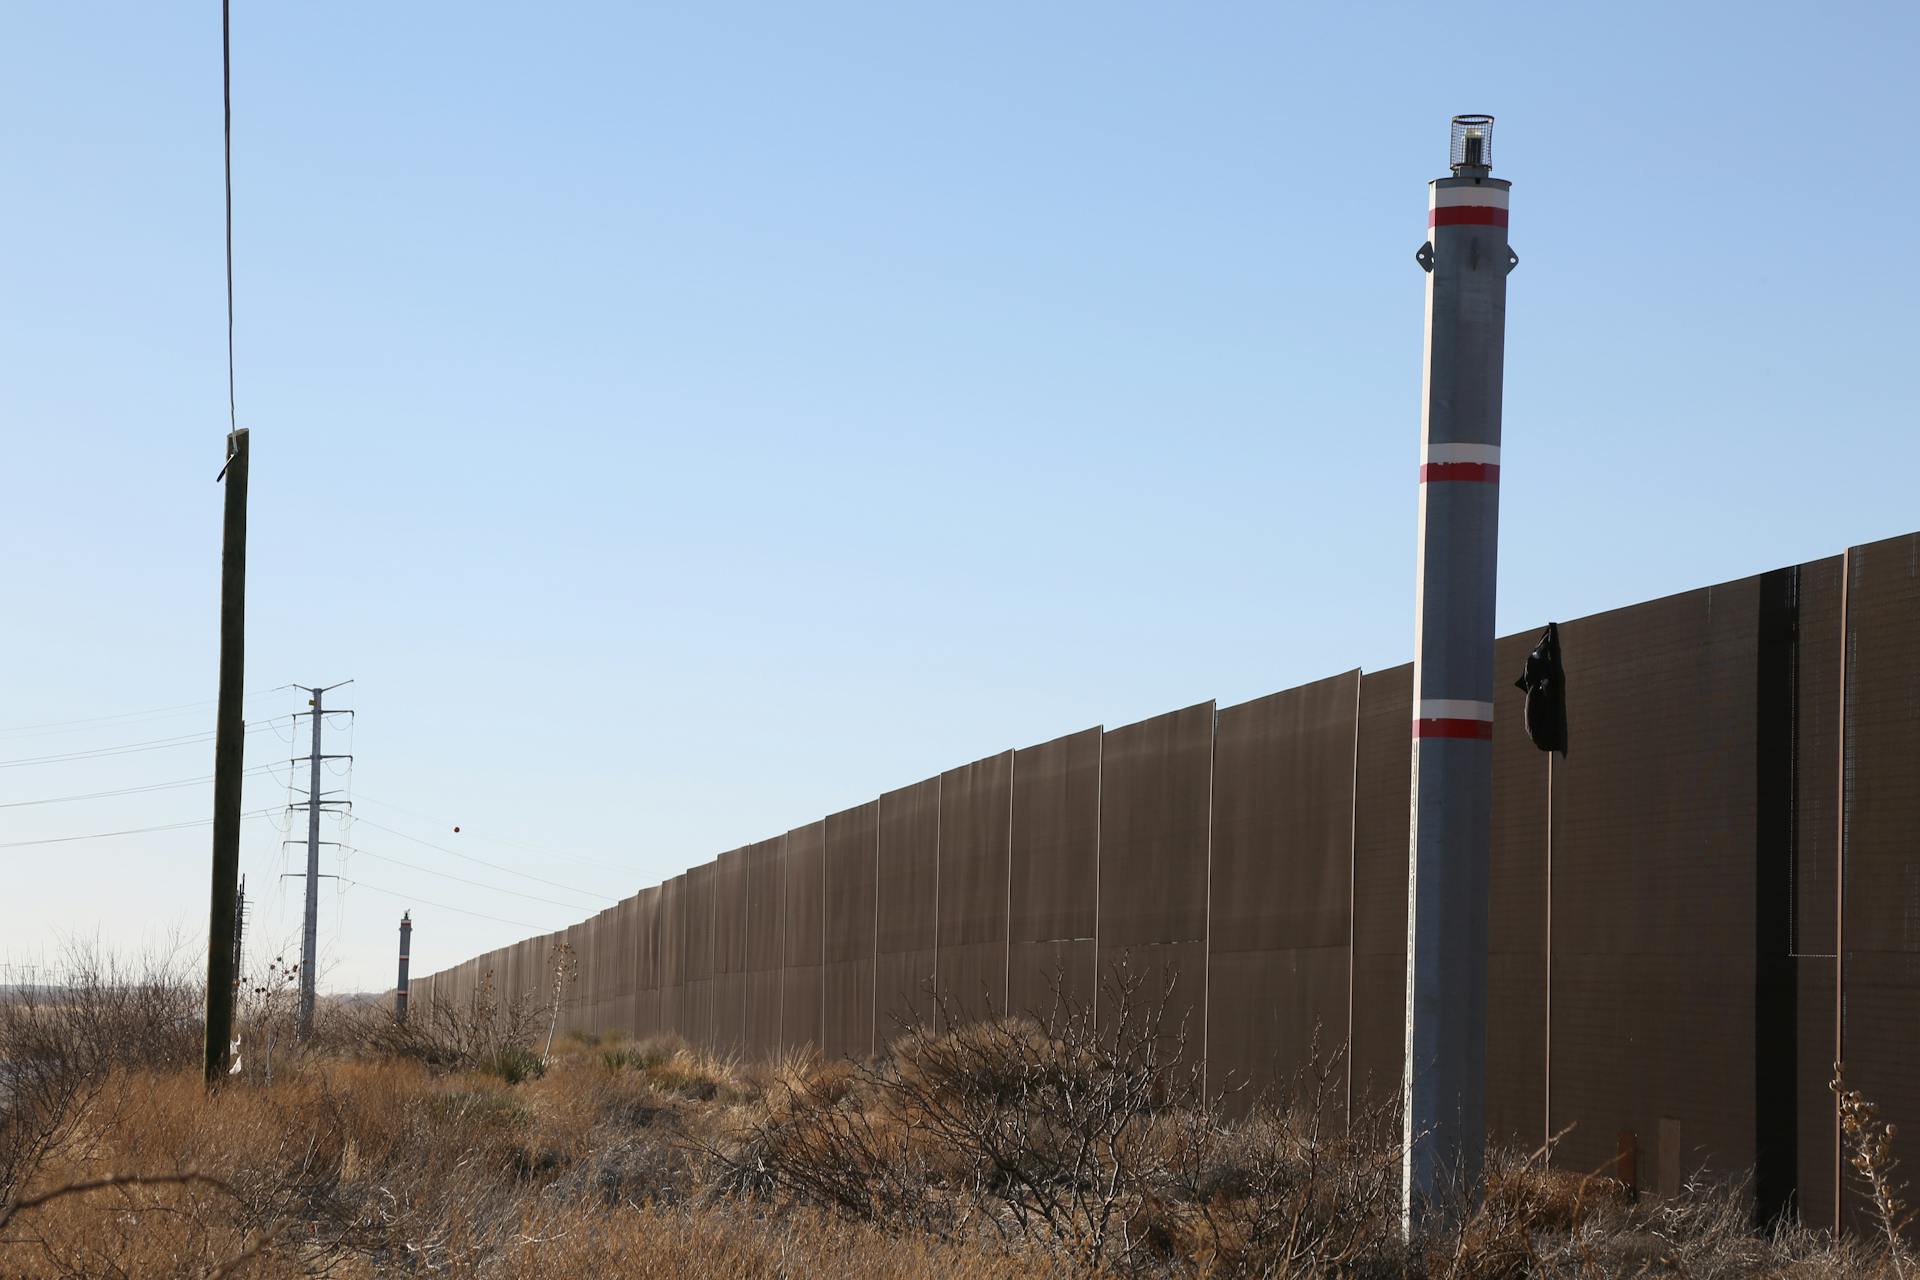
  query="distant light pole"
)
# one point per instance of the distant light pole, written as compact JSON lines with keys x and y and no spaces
{"x":400,"y":987}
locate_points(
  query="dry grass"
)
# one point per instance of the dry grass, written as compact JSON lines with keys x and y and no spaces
{"x":1005,"y":1152}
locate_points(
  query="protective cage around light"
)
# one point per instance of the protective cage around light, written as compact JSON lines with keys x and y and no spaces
{"x":1472,"y":145}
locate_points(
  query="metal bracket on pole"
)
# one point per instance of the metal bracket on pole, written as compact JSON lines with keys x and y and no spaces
{"x":1513,"y":259}
{"x":1424,"y":256}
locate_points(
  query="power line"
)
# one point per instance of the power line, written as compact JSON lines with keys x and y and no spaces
{"x":408,"y":897}
{"x":133,"y":791}
{"x":130,"y":748}
{"x":226,"y":102}
{"x":512,"y":844}
{"x":585,"y":893}
{"x":478,"y":884}
{"x":150,"y":713}
{"x":131,"y":831}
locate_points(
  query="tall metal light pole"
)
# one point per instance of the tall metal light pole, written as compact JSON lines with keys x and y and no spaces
{"x":1467,"y":259}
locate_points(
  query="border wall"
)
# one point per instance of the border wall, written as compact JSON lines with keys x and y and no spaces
{"x":1710,"y":897}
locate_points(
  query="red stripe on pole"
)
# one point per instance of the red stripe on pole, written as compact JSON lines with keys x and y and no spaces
{"x":1467,"y":215}
{"x":1481,"y":730}
{"x":1484,"y":472}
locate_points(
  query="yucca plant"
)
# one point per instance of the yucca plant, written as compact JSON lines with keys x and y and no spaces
{"x":1870,"y":1140}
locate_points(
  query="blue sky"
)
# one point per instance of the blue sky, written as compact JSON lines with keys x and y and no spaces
{"x":684,"y":422}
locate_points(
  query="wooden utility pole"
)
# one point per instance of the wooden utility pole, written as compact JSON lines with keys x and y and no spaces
{"x":228,"y":761}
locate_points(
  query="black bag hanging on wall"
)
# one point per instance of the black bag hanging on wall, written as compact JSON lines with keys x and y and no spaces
{"x":1545,"y":683}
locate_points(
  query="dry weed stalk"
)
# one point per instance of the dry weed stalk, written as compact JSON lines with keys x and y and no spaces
{"x":563,"y":967}
{"x":1872,"y":1158}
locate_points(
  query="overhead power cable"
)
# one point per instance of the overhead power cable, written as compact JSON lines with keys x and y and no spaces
{"x":129,"y":748}
{"x":256,"y":771}
{"x":512,"y":844}
{"x":150,"y":713}
{"x":478,"y":884}
{"x":226,"y":102}
{"x":585,"y":893}
{"x":408,"y":897}
{"x":130,"y":831}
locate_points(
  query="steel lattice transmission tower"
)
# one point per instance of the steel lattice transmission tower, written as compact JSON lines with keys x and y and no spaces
{"x":315,"y":803}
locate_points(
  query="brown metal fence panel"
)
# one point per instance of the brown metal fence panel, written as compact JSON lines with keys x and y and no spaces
{"x":626,"y":939}
{"x":1282,"y":852}
{"x":1156,"y":788}
{"x":573,"y":998}
{"x":1054,"y":873}
{"x":766,"y":945}
{"x":613,"y":973}
{"x":600,"y":941}
{"x":532,"y":980}
{"x":1383,"y":776}
{"x":1516,"y":912}
{"x":670,"y":955}
{"x":1653,"y":887}
{"x":908,"y":862}
{"x":577,"y":1007}
{"x":455,"y":988}
{"x":804,"y":936}
{"x":646,"y":963}
{"x":576,"y":1004}
{"x":847,"y":979}
{"x":1815,"y":831}
{"x":730,"y":952}
{"x":599,"y":948}
{"x":500,"y":960}
{"x":519,"y":985}
{"x":503,"y":962}
{"x":1880,"y":942}
{"x":700,"y":951}
{"x":616,"y":971}
{"x":975,"y":833}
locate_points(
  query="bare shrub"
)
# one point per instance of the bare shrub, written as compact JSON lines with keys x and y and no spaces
{"x":1298,"y":1187}
{"x":1003,"y":1150}
{"x":1094,"y":1147}
{"x":61,"y":1040}
{"x":482,"y":1032}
